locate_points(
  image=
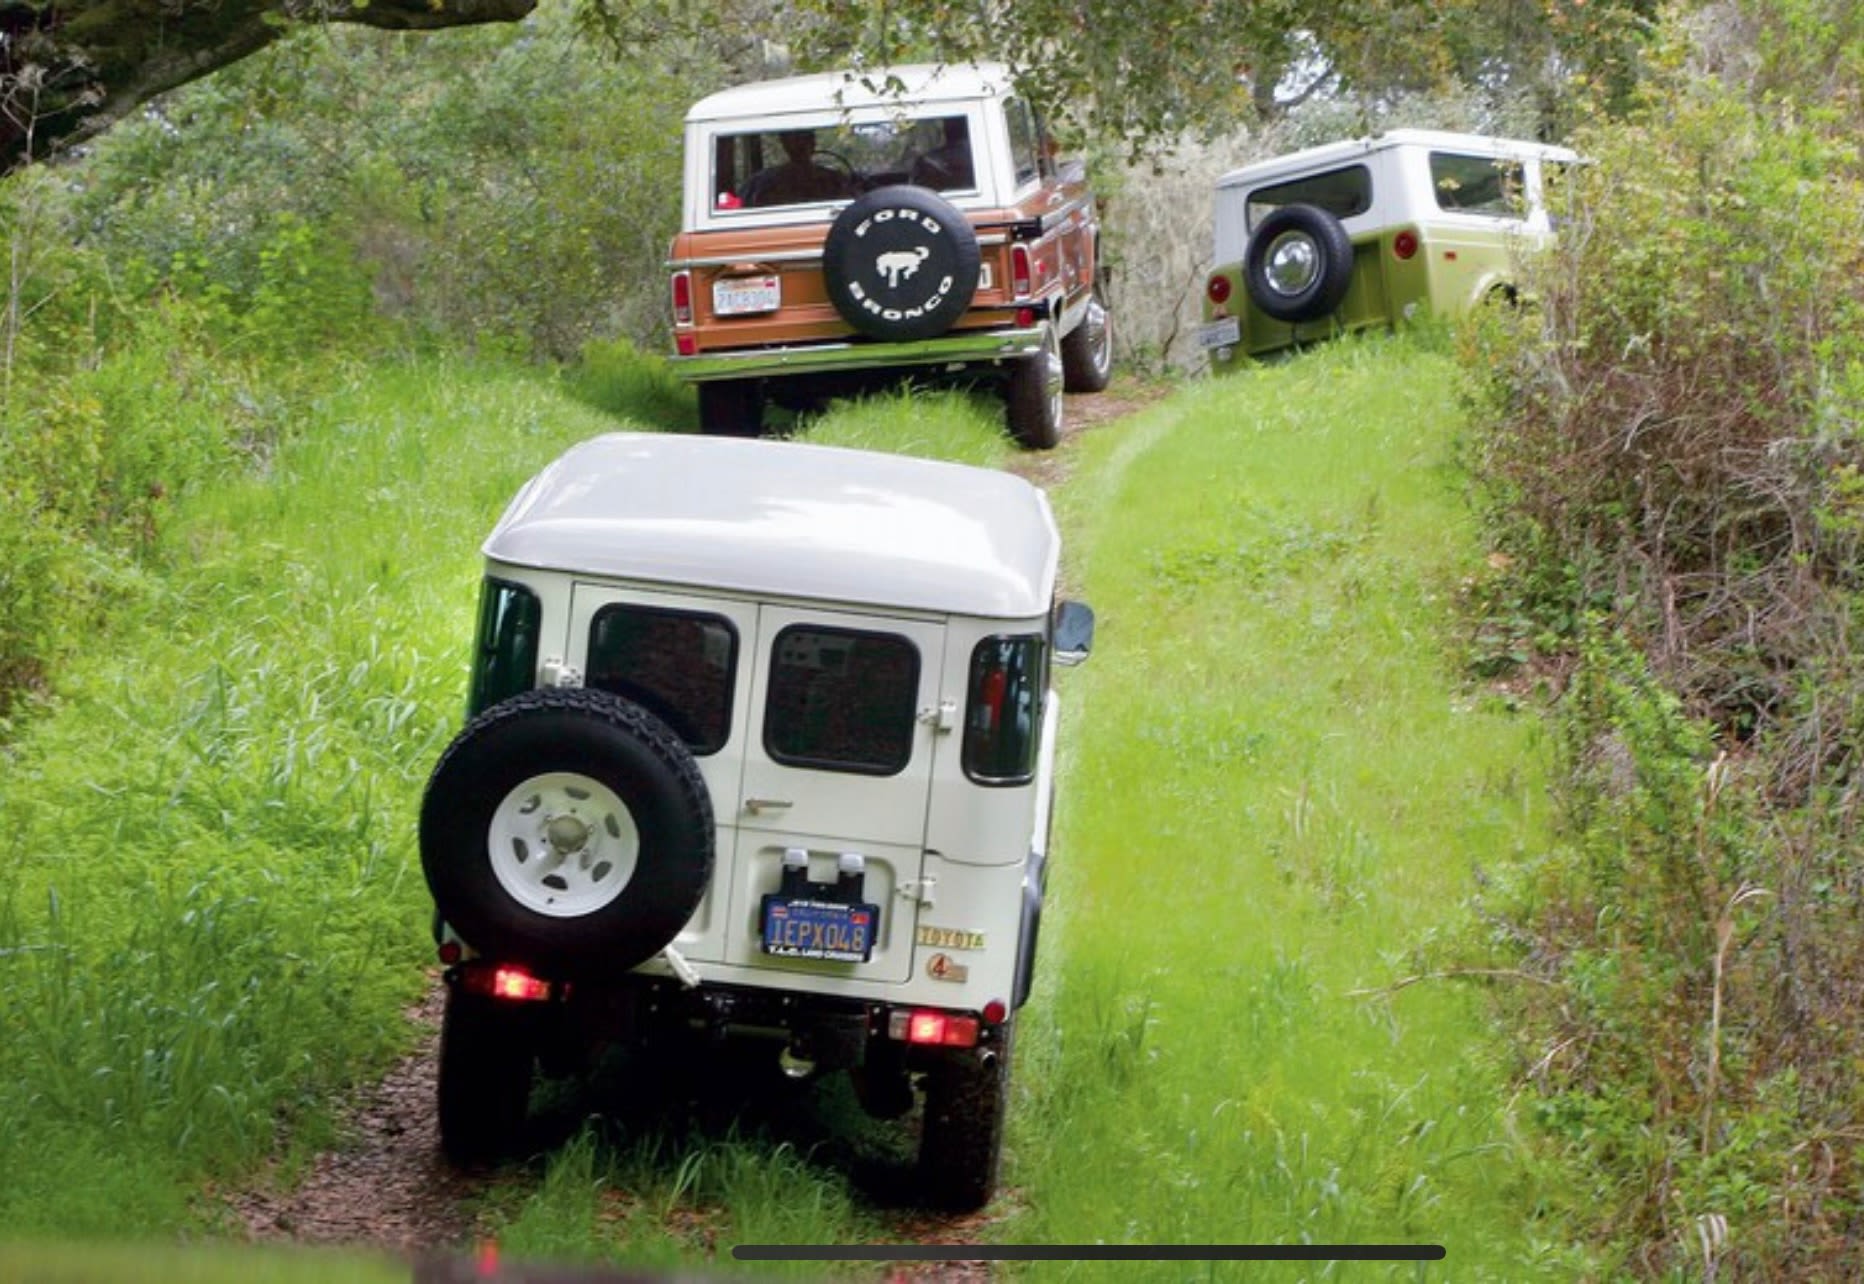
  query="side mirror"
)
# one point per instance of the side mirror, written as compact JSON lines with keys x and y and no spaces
{"x":1072,"y":632}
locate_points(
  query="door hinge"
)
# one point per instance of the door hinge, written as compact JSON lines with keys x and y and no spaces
{"x":942,"y":718}
{"x":920,"y":889}
{"x":558,"y":673}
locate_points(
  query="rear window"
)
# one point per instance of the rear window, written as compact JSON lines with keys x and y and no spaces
{"x":678,"y":665}
{"x":842,"y":700}
{"x":765,"y":168}
{"x":1477,"y":185}
{"x":1341,"y":192}
{"x":1003,"y":714}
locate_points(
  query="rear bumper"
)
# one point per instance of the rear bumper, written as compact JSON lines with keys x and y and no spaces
{"x":964,"y":348}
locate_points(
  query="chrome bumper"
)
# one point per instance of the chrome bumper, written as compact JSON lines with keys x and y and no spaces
{"x":818,"y":358}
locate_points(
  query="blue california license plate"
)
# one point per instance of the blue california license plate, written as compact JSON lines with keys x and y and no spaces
{"x":795,"y":928}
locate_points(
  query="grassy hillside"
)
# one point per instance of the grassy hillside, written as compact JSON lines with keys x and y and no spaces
{"x":1275,"y":797}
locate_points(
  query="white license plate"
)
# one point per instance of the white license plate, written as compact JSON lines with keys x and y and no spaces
{"x":741,"y":294}
{"x":1221,"y":334}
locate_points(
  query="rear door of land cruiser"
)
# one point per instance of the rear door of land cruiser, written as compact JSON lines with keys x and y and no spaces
{"x":815,"y":731}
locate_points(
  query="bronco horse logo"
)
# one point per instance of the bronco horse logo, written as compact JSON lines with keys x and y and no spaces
{"x":900,"y":263}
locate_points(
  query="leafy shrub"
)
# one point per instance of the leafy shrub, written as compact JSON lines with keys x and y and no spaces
{"x":1672,"y":478}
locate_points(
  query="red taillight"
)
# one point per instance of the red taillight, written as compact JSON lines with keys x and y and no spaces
{"x":995,"y":1011}
{"x":515,"y":983}
{"x":451,"y":953}
{"x":936,"y":1029}
{"x":686,"y":344}
{"x":1404,"y":245}
{"x":682,"y":298}
{"x":1021,"y":273}
{"x":505,"y":982}
{"x":1218,"y":291}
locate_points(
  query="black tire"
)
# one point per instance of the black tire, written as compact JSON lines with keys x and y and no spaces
{"x":961,"y":1145}
{"x":731,"y":408}
{"x":1299,"y":263}
{"x":484,"y":1083}
{"x":574,"y":743}
{"x":1032,"y":397}
{"x":900,"y":263}
{"x":1087,"y":352}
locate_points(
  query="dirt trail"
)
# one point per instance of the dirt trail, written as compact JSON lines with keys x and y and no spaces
{"x":385,"y":1185}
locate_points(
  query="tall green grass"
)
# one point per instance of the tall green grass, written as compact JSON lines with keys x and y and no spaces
{"x":1276,"y":796}
{"x":1273,"y":795}
{"x":211,"y":916}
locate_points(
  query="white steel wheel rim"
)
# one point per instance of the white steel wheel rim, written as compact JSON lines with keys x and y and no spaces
{"x":562,"y":844}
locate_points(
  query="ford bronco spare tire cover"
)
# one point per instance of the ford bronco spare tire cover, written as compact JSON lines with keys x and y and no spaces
{"x":1299,"y":263}
{"x":568,"y":830}
{"x":900,"y":263}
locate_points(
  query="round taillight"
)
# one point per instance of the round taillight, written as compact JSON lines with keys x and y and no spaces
{"x":451,"y":953}
{"x":1404,"y":245}
{"x":1219,"y":289}
{"x":994,"y":1012}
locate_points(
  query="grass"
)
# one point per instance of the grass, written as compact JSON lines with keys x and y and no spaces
{"x":1274,"y":795}
{"x":1277,"y":796}
{"x":211,"y":915}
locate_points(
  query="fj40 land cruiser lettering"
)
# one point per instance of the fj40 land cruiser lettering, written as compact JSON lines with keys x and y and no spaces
{"x":761,"y":748}
{"x":1371,"y":233}
{"x":840,"y":231}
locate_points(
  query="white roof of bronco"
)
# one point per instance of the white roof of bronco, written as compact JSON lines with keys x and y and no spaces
{"x":784,"y":520}
{"x":849,"y":90}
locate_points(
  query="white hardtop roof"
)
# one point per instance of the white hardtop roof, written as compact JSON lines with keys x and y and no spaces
{"x":1340,"y":153}
{"x":908,"y":85}
{"x":783,"y":520}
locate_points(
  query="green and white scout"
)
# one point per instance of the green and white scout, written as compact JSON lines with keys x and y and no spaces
{"x":1371,"y":232}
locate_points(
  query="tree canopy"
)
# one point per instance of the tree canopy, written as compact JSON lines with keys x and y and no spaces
{"x":1129,"y":71}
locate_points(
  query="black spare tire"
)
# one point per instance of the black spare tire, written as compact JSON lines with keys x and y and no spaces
{"x":1299,"y":263}
{"x":568,"y":830}
{"x":900,"y":263}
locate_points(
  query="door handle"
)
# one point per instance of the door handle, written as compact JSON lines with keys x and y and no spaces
{"x":757,"y":806}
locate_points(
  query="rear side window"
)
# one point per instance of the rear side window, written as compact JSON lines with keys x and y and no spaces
{"x":1023,"y":140}
{"x":1477,"y":185}
{"x":1003,"y":714}
{"x":678,"y":665}
{"x":1341,"y":192}
{"x":842,"y":700}
{"x":504,"y":659}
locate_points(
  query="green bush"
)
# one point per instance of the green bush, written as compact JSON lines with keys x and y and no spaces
{"x":1672,"y":480}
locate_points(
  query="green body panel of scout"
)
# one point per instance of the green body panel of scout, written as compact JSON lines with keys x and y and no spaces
{"x":1371,"y":233}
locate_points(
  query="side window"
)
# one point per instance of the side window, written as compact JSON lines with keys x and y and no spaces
{"x":842,"y":700}
{"x":504,"y":653}
{"x":1477,"y":185}
{"x":1341,"y":192}
{"x":1003,"y":713}
{"x":678,"y":665}
{"x":1023,"y":149}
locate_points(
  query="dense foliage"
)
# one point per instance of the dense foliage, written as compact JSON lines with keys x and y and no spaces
{"x":1677,"y":490}
{"x":176,"y":291}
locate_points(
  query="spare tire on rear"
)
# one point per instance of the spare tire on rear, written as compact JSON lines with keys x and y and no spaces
{"x":1298,"y":264}
{"x":568,"y":830}
{"x":900,"y":263}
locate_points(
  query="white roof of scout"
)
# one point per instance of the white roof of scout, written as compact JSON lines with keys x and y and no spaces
{"x":852,"y":90}
{"x":783,"y":520}
{"x":1328,"y":154}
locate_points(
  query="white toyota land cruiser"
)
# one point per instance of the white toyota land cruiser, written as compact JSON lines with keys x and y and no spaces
{"x":761,"y":745}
